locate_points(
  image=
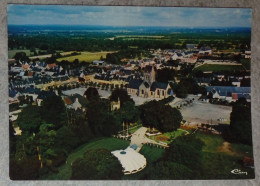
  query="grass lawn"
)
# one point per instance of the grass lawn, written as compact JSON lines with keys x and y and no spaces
{"x":217,"y":165}
{"x":85,"y":56}
{"x":212,"y":142}
{"x":215,"y":68}
{"x":135,"y":129}
{"x":109,"y":143}
{"x":174,"y":135}
{"x":242,"y":148}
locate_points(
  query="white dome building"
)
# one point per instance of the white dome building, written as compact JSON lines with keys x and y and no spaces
{"x":130,"y":160}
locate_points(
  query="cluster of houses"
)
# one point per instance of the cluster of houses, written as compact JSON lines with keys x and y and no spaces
{"x":30,"y":81}
{"x":235,"y":80}
{"x":229,"y":93}
{"x":33,"y":79}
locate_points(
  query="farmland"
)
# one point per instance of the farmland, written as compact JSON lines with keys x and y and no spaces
{"x":11,"y":53}
{"x":85,"y":56}
{"x":216,"y":68}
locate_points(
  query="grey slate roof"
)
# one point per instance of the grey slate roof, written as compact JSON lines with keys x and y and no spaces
{"x":135,"y":83}
{"x":227,"y":90}
{"x":159,"y":85}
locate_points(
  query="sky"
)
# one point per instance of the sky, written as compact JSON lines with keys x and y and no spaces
{"x":127,"y":16}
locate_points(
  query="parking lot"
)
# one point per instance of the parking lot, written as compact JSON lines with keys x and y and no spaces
{"x":203,"y":112}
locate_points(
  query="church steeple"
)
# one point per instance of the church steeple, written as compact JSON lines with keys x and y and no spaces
{"x":149,"y":74}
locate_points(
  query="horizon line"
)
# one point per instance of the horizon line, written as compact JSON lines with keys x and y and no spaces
{"x":130,"y":26}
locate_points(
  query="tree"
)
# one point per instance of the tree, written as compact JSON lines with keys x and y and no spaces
{"x":91,"y":94}
{"x":187,"y":86}
{"x":120,"y":94}
{"x":21,"y":56}
{"x":100,"y":119}
{"x":30,"y":119}
{"x":53,"y":110}
{"x":165,"y":75}
{"x":240,"y":122}
{"x":128,"y":112}
{"x":12,"y":138}
{"x":163,"y":117}
{"x":25,"y":169}
{"x":66,"y":139}
{"x":168,"y":170}
{"x":97,"y":164}
{"x":45,"y":141}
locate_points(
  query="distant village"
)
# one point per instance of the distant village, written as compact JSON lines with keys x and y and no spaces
{"x":34,"y":81}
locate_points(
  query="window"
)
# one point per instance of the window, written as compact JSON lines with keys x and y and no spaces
{"x":163,"y":92}
{"x":158,"y":92}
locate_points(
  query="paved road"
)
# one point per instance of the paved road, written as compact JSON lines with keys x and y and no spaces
{"x":139,"y":138}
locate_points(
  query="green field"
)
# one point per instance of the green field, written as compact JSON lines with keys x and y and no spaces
{"x":85,"y":56}
{"x":107,"y":143}
{"x":11,"y":53}
{"x":215,"y":68}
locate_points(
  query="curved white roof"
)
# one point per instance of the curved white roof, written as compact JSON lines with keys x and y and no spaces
{"x":131,"y":160}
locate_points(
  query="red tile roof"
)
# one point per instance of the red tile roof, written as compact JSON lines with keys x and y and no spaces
{"x":67,"y":101}
{"x":234,"y":96}
{"x":52,"y":65}
{"x":30,"y":74}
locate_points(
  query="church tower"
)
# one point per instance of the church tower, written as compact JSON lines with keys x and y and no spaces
{"x":149,"y":74}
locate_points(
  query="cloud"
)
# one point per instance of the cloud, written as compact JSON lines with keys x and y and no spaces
{"x":128,"y":16}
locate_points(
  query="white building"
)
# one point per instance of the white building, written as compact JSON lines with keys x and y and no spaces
{"x":131,"y":161}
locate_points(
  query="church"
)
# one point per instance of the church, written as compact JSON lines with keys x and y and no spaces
{"x":149,"y":87}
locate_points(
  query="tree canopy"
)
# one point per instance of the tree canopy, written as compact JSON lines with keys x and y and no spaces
{"x":30,"y":119}
{"x":185,"y":150}
{"x":21,"y":56}
{"x":165,"y":75}
{"x":91,"y":93}
{"x":240,"y":122}
{"x":128,"y":112}
{"x":53,"y":111}
{"x":187,"y":86}
{"x":97,"y":164}
{"x":120,"y":94}
{"x":100,"y":119}
{"x":162,"y":117}
{"x":168,"y":170}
